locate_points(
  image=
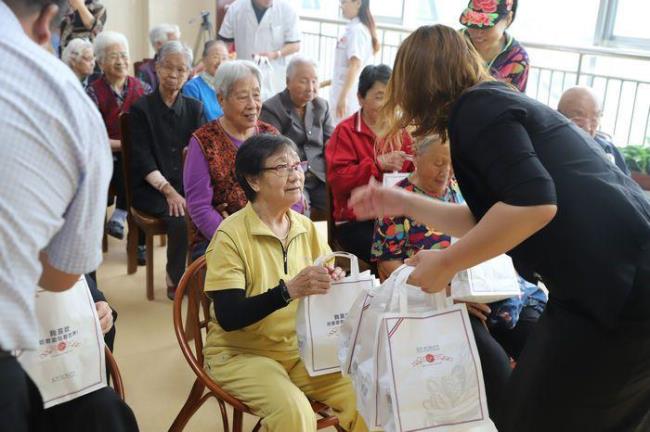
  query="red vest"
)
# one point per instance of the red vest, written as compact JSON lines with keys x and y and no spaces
{"x":108,"y":106}
{"x":220,"y":152}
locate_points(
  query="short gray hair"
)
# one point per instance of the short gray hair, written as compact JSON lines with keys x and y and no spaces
{"x":423,"y":144}
{"x":299,"y":60}
{"x":159,"y":33}
{"x":106,"y":39}
{"x":231,"y":72}
{"x":213,"y":43}
{"x":176,"y":47}
{"x":74,"y":49}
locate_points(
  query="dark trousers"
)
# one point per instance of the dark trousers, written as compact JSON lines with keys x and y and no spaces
{"x":20,"y":401}
{"x":117,"y":182}
{"x":99,"y":411}
{"x":576,"y":375}
{"x":316,"y":194}
{"x":176,"y":246}
{"x":21,"y":407}
{"x":356,"y":238}
{"x":514,"y":340}
{"x":494,"y":363}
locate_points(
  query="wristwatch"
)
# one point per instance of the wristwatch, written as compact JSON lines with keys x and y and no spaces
{"x":284,"y":292}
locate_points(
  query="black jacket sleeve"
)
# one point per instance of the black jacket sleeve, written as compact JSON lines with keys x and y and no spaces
{"x":234,"y":310}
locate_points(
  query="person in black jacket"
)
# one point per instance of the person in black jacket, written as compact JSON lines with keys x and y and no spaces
{"x":539,"y":189}
{"x":161,"y":125}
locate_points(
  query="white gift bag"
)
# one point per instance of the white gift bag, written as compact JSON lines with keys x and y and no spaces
{"x":392,"y":178}
{"x":366,"y":354}
{"x":430,"y":367}
{"x":319,"y":318}
{"x":491,"y":281}
{"x":69,"y":361}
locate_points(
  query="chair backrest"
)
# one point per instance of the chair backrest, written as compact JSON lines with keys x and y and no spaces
{"x":331,"y":225}
{"x":114,"y":373}
{"x":198,"y":318}
{"x":126,"y":157}
{"x":137,"y":65}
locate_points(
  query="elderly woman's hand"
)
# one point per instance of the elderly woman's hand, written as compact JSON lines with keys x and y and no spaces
{"x":105,"y":315}
{"x":311,"y":280}
{"x":336,"y":273}
{"x":392,"y":161}
{"x":175,"y":201}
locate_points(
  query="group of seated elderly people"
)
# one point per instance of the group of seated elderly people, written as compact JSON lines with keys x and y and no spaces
{"x":251,"y":169}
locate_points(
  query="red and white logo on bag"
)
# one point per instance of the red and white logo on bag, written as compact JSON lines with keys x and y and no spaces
{"x":429,"y":356}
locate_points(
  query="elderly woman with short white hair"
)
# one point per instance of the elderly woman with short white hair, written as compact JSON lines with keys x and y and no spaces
{"x":300,"y":114}
{"x":158,"y":36}
{"x":80,"y":57}
{"x":211,"y":189}
{"x":161,"y":124}
{"x":114,"y":93}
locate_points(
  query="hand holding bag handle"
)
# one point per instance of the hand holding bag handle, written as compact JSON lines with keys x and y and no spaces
{"x":400,"y":293}
{"x":354,"y":262}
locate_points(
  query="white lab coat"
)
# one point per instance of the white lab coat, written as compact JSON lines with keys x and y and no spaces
{"x":355,"y":42}
{"x":279,"y":25}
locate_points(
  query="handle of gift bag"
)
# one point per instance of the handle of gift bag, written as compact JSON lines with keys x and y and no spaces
{"x":354,"y":261}
{"x":400,"y":294}
{"x":398,"y":278}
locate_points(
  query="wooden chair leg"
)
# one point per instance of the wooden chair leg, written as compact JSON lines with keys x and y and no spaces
{"x":237,"y":420}
{"x":163,"y":240}
{"x":105,"y":236}
{"x":149,"y":241}
{"x":131,"y":247}
{"x":189,"y":408}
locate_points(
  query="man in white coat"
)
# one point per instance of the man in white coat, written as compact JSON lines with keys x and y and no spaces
{"x":264,"y":31}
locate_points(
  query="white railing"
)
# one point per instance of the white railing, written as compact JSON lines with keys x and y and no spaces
{"x":616,"y":75}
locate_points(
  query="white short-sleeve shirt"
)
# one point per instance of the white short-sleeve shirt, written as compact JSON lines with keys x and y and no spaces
{"x":279,"y":25}
{"x":55,"y":165}
{"x":355,"y":42}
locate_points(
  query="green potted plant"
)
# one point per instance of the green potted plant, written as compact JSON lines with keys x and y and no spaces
{"x":637,"y":158}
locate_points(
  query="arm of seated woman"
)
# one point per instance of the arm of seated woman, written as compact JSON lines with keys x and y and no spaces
{"x":387,"y":267}
{"x":235,"y":311}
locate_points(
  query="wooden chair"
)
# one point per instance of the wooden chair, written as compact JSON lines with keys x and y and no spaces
{"x":137,"y":65}
{"x":204,"y":387}
{"x":137,"y":219}
{"x":114,"y":373}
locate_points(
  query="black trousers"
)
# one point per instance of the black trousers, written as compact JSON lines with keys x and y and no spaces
{"x":176,"y":245}
{"x":575,"y":375}
{"x":117,"y":183}
{"x":356,"y":238}
{"x":21,"y":407}
{"x":494,"y":363}
{"x":20,"y":401}
{"x":514,"y":340}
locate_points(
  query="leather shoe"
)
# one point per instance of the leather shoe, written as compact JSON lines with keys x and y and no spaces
{"x":171,"y":292}
{"x":142,"y":255}
{"x":115,"y":229}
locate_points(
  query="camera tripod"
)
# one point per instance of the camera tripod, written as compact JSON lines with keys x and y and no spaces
{"x":205,"y":34}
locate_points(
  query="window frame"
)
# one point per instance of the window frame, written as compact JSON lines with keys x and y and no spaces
{"x":604,"y":34}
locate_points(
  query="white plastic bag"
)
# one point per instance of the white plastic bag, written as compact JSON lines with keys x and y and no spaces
{"x":319,"y":318}
{"x":392,"y":178}
{"x":69,"y":361}
{"x":491,"y":281}
{"x":432,"y":369}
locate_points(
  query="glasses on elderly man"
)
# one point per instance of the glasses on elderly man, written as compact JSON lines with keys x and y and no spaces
{"x":283,"y":170}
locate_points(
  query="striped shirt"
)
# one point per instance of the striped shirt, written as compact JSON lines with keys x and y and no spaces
{"x":56,"y":164}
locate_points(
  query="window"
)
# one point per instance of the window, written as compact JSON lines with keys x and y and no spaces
{"x":623,"y":23}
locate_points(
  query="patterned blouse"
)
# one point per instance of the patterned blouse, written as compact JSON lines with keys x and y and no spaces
{"x":511,"y":64}
{"x":399,"y":238}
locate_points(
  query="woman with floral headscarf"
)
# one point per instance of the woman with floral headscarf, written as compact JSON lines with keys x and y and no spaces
{"x":486,"y":22}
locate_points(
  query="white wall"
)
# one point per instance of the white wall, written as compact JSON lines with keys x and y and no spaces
{"x":134,"y":18}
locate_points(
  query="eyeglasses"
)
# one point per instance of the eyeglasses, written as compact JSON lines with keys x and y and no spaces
{"x":283,"y":170}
